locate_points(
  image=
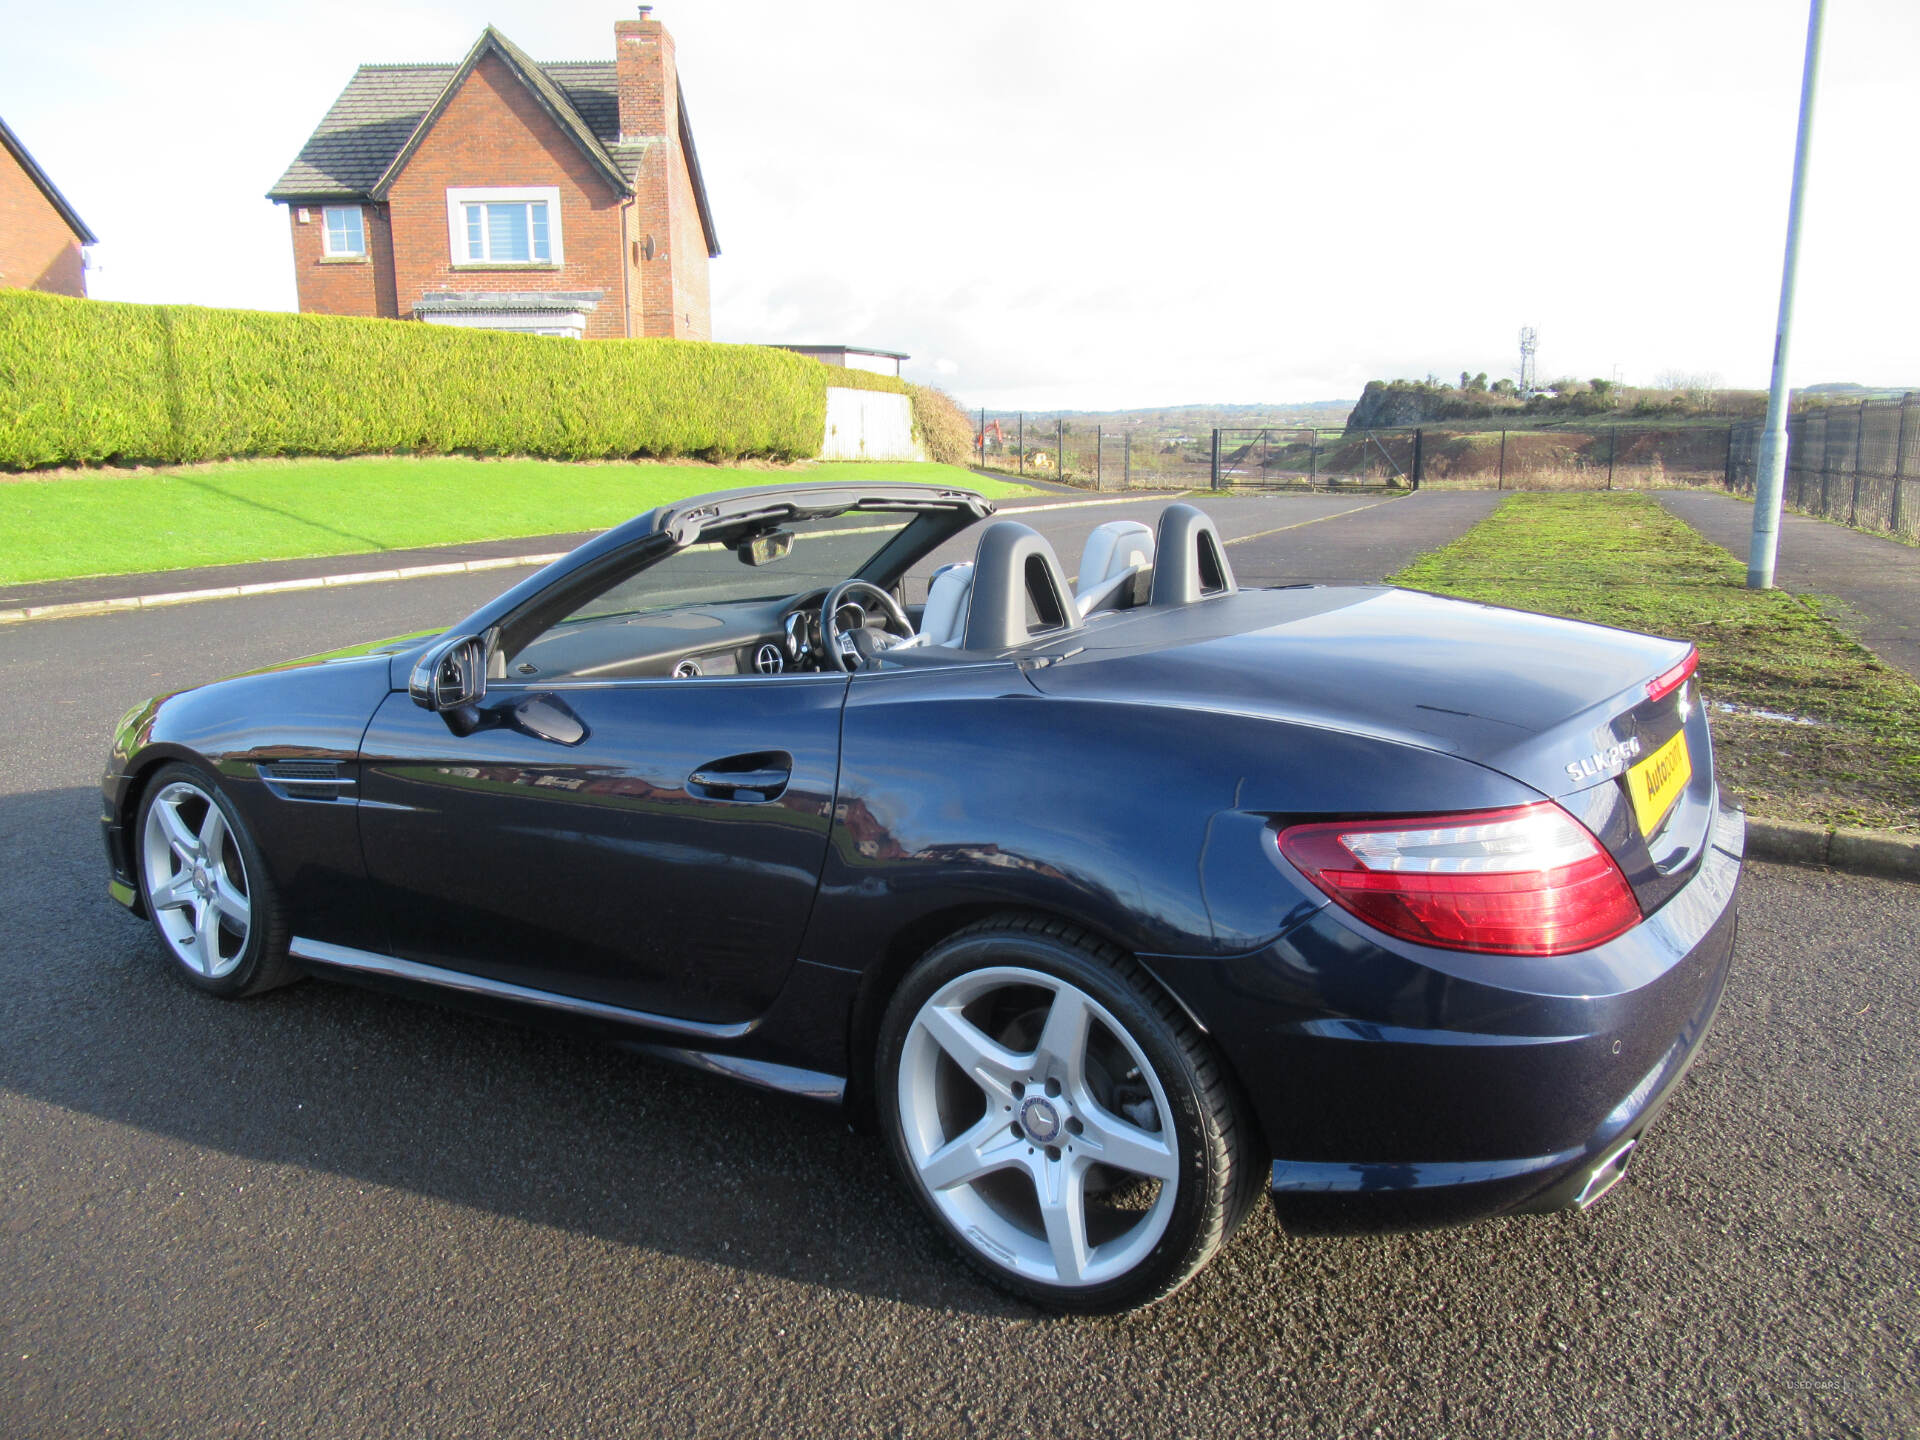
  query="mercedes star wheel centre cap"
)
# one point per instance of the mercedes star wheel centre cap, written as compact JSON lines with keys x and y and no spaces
{"x":1040,"y":1120}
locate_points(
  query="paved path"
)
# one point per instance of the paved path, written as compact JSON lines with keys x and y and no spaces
{"x":1879,"y":579}
{"x":333,"y":1213}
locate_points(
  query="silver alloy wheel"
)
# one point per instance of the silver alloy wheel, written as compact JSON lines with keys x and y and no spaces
{"x":1013,"y":1176}
{"x":196,"y":880}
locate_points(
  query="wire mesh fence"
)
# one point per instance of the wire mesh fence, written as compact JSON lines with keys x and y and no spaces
{"x":1271,"y":458}
{"x":1858,"y":464}
{"x":1097,"y":457}
{"x":1601,"y":457}
{"x":1444,"y":457}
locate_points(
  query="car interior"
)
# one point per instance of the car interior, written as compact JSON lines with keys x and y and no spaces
{"x":1011,"y":594}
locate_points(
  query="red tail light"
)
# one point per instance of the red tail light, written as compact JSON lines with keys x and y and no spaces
{"x":1527,"y":881}
{"x":1668,"y":681}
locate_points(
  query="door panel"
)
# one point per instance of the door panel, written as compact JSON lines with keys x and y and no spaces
{"x":666,"y":860}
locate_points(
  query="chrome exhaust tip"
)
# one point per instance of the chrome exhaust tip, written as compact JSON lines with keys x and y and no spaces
{"x":1604,"y":1176}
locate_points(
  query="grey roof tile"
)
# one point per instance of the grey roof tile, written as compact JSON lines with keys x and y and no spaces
{"x":375,"y":115}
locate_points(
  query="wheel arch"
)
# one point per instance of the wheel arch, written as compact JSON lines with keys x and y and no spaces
{"x":136,"y":780}
{"x":904,"y":948}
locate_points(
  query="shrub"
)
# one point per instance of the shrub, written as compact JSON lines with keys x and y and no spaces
{"x":943,"y":427}
{"x":87,"y":381}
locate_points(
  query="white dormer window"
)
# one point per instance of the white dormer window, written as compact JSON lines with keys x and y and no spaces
{"x":504,"y":227}
{"x":344,"y":236}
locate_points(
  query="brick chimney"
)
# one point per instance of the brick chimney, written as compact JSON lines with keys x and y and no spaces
{"x":649,"y":84}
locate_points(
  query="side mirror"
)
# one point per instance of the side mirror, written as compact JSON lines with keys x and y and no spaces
{"x":451,"y":675}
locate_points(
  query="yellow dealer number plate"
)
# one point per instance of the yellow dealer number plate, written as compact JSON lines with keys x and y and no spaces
{"x":1656,"y":782}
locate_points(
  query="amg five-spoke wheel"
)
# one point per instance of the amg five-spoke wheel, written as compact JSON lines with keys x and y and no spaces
{"x":196,"y":880}
{"x":1053,"y":1125}
{"x":206,"y":889}
{"x":1060,"y":1120}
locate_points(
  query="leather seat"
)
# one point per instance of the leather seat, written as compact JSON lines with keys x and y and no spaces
{"x":1115,"y":552}
{"x":944,"y":620}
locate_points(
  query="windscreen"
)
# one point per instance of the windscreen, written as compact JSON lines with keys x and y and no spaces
{"x":710,"y":572}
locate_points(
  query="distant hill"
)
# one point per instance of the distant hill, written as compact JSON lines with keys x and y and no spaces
{"x":1847,"y":390}
{"x":1386,"y":404}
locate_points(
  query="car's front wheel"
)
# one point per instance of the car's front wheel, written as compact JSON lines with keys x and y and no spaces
{"x":206,"y":887}
{"x":1060,"y":1118}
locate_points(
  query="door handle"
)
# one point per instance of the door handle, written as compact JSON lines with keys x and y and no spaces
{"x":760,"y":777}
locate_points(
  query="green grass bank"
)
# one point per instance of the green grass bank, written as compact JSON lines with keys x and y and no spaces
{"x":106,"y":523}
{"x":1821,"y":730}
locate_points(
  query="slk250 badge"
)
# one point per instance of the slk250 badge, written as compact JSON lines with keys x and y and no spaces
{"x":1604,"y":762}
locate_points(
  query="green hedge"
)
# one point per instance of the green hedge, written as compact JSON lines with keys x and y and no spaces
{"x":91,"y":382}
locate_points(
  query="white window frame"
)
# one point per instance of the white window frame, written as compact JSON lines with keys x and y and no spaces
{"x":326,"y":233}
{"x":458,"y":200}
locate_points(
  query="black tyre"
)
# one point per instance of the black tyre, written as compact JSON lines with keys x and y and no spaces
{"x":1060,"y":1118}
{"x":206,"y":887}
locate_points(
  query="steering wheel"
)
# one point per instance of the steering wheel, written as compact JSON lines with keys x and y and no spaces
{"x":854,"y":648}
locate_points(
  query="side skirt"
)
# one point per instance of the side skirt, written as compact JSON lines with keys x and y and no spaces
{"x":787,"y":1079}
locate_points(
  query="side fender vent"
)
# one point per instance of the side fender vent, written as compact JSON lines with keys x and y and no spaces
{"x":306,"y":779}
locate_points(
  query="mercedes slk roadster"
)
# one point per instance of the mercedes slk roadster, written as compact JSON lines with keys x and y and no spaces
{"x":1110,"y":903}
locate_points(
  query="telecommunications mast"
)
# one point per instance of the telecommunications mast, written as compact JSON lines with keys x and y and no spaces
{"x":1529,"y":342}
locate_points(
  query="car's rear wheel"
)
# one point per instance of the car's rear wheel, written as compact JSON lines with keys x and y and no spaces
{"x":206,"y":887}
{"x":1060,"y":1118}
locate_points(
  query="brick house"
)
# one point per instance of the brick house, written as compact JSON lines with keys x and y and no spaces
{"x":558,"y":199}
{"x":40,"y":235}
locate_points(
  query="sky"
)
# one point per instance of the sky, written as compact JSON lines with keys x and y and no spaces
{"x":1068,"y":204}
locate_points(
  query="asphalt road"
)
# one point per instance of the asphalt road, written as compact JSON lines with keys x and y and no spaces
{"x":1275,"y":539}
{"x":332,"y":1213}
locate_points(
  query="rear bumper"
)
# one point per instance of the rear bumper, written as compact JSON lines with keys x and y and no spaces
{"x":1404,"y":1088}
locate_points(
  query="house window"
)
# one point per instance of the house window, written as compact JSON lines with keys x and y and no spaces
{"x":344,"y":234}
{"x":504,"y":227}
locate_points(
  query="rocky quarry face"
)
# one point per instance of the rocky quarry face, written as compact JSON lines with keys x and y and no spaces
{"x":1381,"y":407}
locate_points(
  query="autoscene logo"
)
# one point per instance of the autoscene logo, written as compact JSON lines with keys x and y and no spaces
{"x":1662,"y":768}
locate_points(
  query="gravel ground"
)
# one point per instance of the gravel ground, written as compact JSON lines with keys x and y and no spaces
{"x":329,"y":1212}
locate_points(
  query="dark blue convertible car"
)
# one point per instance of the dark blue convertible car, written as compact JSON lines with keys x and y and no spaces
{"x":1112,"y":903}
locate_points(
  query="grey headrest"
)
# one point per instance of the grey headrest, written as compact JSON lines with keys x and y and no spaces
{"x":1189,"y":562}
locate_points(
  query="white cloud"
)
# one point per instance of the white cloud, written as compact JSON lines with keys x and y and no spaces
{"x":1084,"y":204}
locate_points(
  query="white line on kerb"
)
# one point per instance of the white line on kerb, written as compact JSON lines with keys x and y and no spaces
{"x":119,"y":603}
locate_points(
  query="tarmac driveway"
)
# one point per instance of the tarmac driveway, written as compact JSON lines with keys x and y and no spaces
{"x":333,"y":1213}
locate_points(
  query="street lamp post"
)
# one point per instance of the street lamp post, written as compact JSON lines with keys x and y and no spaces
{"x":1770,"y":468}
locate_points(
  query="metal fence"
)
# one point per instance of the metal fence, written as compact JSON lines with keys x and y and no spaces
{"x":1276,"y":458}
{"x":1049,"y":447}
{"x":1859,"y":464}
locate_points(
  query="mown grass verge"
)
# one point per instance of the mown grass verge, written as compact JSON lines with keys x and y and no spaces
{"x":1622,"y":560}
{"x":117,"y":524}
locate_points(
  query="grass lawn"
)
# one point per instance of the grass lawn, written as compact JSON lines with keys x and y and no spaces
{"x":105,"y":523}
{"x":1622,"y":560}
